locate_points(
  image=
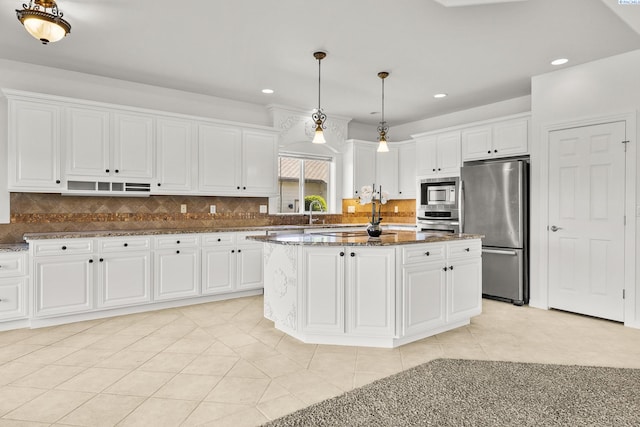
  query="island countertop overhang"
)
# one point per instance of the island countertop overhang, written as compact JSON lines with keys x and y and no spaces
{"x":361,"y":238}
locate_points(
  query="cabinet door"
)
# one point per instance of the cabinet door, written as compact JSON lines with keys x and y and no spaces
{"x":125,"y":279}
{"x":423,"y":297}
{"x":63,"y":284}
{"x":220,"y":158}
{"x":364,"y":166}
{"x":464,"y":289}
{"x":387,"y":171}
{"x":407,"y":181}
{"x":511,"y":138}
{"x":177,"y":273}
{"x":449,"y":154}
{"x":87,"y":142}
{"x":371,"y":291}
{"x":323,"y":295}
{"x":426,"y":156}
{"x":259,"y":163}
{"x":132,"y":146}
{"x":34,"y":147}
{"x":173,"y":151}
{"x":218,"y":270}
{"x":477,"y":143}
{"x":250,"y":262}
{"x":13,"y":304}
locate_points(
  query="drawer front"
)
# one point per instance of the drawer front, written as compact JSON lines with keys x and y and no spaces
{"x":218,"y":239}
{"x":420,"y":253}
{"x":63,"y":247}
{"x":13,"y":264}
{"x":177,"y":241}
{"x":465,"y":249}
{"x":121,"y":244}
{"x":12,"y":298}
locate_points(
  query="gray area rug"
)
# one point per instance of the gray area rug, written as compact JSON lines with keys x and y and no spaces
{"x":449,"y":392}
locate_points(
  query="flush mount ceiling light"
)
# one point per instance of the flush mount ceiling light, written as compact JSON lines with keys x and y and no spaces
{"x":318,"y":116}
{"x":43,"y":20}
{"x":382,"y":126}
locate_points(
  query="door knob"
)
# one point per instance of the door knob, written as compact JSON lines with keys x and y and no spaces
{"x":554,"y":228}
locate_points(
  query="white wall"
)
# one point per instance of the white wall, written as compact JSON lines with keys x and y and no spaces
{"x":604,"y":88}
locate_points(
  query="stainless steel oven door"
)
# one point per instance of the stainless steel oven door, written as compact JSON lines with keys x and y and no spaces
{"x":438,"y":226}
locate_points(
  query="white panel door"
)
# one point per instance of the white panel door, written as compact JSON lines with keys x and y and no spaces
{"x":125,"y":279}
{"x":464,"y":289}
{"x":586,"y":220}
{"x":477,"y":143}
{"x":88,"y":151}
{"x":174,"y":148}
{"x":177,"y":273}
{"x":449,"y":154}
{"x":423,"y":297}
{"x":323,"y":295}
{"x":426,"y":156}
{"x":218,"y":269}
{"x":63,"y":284}
{"x":387,"y":171}
{"x":220,"y":159}
{"x":259,"y":163}
{"x":250,"y":266}
{"x":511,"y":138}
{"x":364,"y":166}
{"x":132,"y":146}
{"x":371,"y":291}
{"x":407,"y":182}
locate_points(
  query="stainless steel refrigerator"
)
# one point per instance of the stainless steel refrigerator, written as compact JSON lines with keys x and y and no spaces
{"x":494,"y":200}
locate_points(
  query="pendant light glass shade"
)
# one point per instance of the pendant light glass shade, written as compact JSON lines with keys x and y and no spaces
{"x":318,"y":116}
{"x":382,"y":126}
{"x":43,"y":20}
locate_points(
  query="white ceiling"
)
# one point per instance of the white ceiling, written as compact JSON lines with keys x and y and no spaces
{"x":234,"y":48}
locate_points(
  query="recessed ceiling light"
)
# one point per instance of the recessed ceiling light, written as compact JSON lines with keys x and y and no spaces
{"x":269,"y":91}
{"x":559,"y":61}
{"x":440,"y":95}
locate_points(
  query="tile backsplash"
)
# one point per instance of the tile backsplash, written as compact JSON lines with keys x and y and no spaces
{"x":38,"y":213}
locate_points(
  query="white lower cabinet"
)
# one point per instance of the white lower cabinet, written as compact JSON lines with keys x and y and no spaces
{"x":354,"y":282}
{"x":250,"y":263}
{"x":63,"y":284}
{"x":125,"y":279}
{"x":218,"y":269}
{"x":177,"y":273}
{"x":13,"y":285}
{"x":464,"y":287}
{"x":424,"y":291}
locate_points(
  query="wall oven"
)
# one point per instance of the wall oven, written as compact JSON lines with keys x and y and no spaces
{"x":439,"y":205}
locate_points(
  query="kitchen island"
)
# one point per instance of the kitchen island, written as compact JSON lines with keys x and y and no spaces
{"x":345,"y":288}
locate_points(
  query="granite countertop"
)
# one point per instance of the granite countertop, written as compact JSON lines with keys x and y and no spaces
{"x":14,"y":247}
{"x":360,"y":238}
{"x":146,"y":232}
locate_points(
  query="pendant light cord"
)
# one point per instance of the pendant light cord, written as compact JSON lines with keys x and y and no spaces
{"x":319,"y":61}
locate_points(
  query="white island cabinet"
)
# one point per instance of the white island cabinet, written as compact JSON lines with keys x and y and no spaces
{"x":342,"y":288}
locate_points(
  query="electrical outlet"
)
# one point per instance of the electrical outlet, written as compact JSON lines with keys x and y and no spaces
{"x":183,"y":208}
{"x":263,"y":208}
{"x":212,"y":209}
{"x":351,"y":209}
{"x":395,"y":209}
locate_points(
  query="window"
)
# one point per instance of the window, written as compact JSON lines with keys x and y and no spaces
{"x":301,"y":181}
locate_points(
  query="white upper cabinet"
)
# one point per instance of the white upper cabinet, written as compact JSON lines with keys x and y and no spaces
{"x":88,"y":142}
{"x":237,"y":162}
{"x":387,"y":171}
{"x":359,"y":167}
{"x":438,"y":155}
{"x":407,"y":171}
{"x":34,"y":146}
{"x":499,"y":139}
{"x":132,"y":145}
{"x":174,"y":149}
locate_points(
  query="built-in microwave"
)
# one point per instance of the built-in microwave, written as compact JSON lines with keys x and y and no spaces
{"x":439,"y":198}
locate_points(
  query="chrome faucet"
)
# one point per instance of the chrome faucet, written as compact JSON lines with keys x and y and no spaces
{"x":313,"y":202}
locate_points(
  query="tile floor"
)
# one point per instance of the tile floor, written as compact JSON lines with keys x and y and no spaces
{"x":222,"y":363}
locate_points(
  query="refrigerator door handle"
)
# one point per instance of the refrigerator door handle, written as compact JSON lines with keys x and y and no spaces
{"x":499,"y":252}
{"x":461,"y":204}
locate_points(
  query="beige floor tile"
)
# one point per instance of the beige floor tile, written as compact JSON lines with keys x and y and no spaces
{"x":152,"y":343}
{"x":244,"y":369}
{"x":12,"y":371}
{"x":211,"y":365}
{"x":49,"y":376}
{"x":114,"y":342}
{"x":221,"y":350}
{"x":175,"y":329}
{"x":48,"y":354}
{"x":245,"y":391}
{"x":463,"y":350}
{"x":160,"y":412}
{"x":47,"y":338}
{"x":104,"y":410}
{"x":298,"y":351}
{"x":299,"y":381}
{"x":280,"y":406}
{"x":140,"y":330}
{"x":364,"y":378}
{"x":247,"y":418}
{"x":273,"y":391}
{"x":255,"y":351}
{"x":125,"y":359}
{"x":93,"y":380}
{"x":210,"y":412}
{"x":140,"y":383}
{"x":50,"y":406}
{"x":193,"y":346}
{"x":389,"y":363}
{"x":12,"y":397}
{"x":81,"y":340}
{"x":276,"y":366}
{"x":237,"y":340}
{"x":85,"y":357}
{"x":16,"y":423}
{"x":188,"y":387}
{"x":17,"y":335}
{"x":318,"y":392}
{"x":168,"y":362}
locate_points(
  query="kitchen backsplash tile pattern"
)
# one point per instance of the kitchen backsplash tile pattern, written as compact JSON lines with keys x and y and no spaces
{"x":41,"y":213}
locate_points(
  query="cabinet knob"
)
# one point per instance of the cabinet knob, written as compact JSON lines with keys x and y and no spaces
{"x":466,"y":249}
{"x":64,"y":248}
{"x":178,"y":241}
{"x":353,"y":254}
{"x":90,"y":261}
{"x":399,"y":192}
{"x":177,"y":252}
{"x":341,"y":253}
{"x":57,"y":181}
{"x":238,"y":187}
{"x":439,"y":169}
{"x":444,"y":268}
{"x":356,"y":191}
{"x":106,"y":170}
{"x":219,"y":239}
{"x":427,"y":253}
{"x":233,"y":251}
{"x":159,"y":184}
{"x":239,"y":250}
{"x":117,"y":171}
{"x":244,"y":188}
{"x":126,"y":244}
{"x":489,"y":152}
{"x":101,"y":259}
{"x":434,"y":170}
{"x":451,"y":268}
{"x":495,"y":151}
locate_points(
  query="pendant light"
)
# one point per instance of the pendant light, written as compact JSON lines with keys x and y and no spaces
{"x":43,"y":20}
{"x":382,"y":126}
{"x":318,"y":116}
